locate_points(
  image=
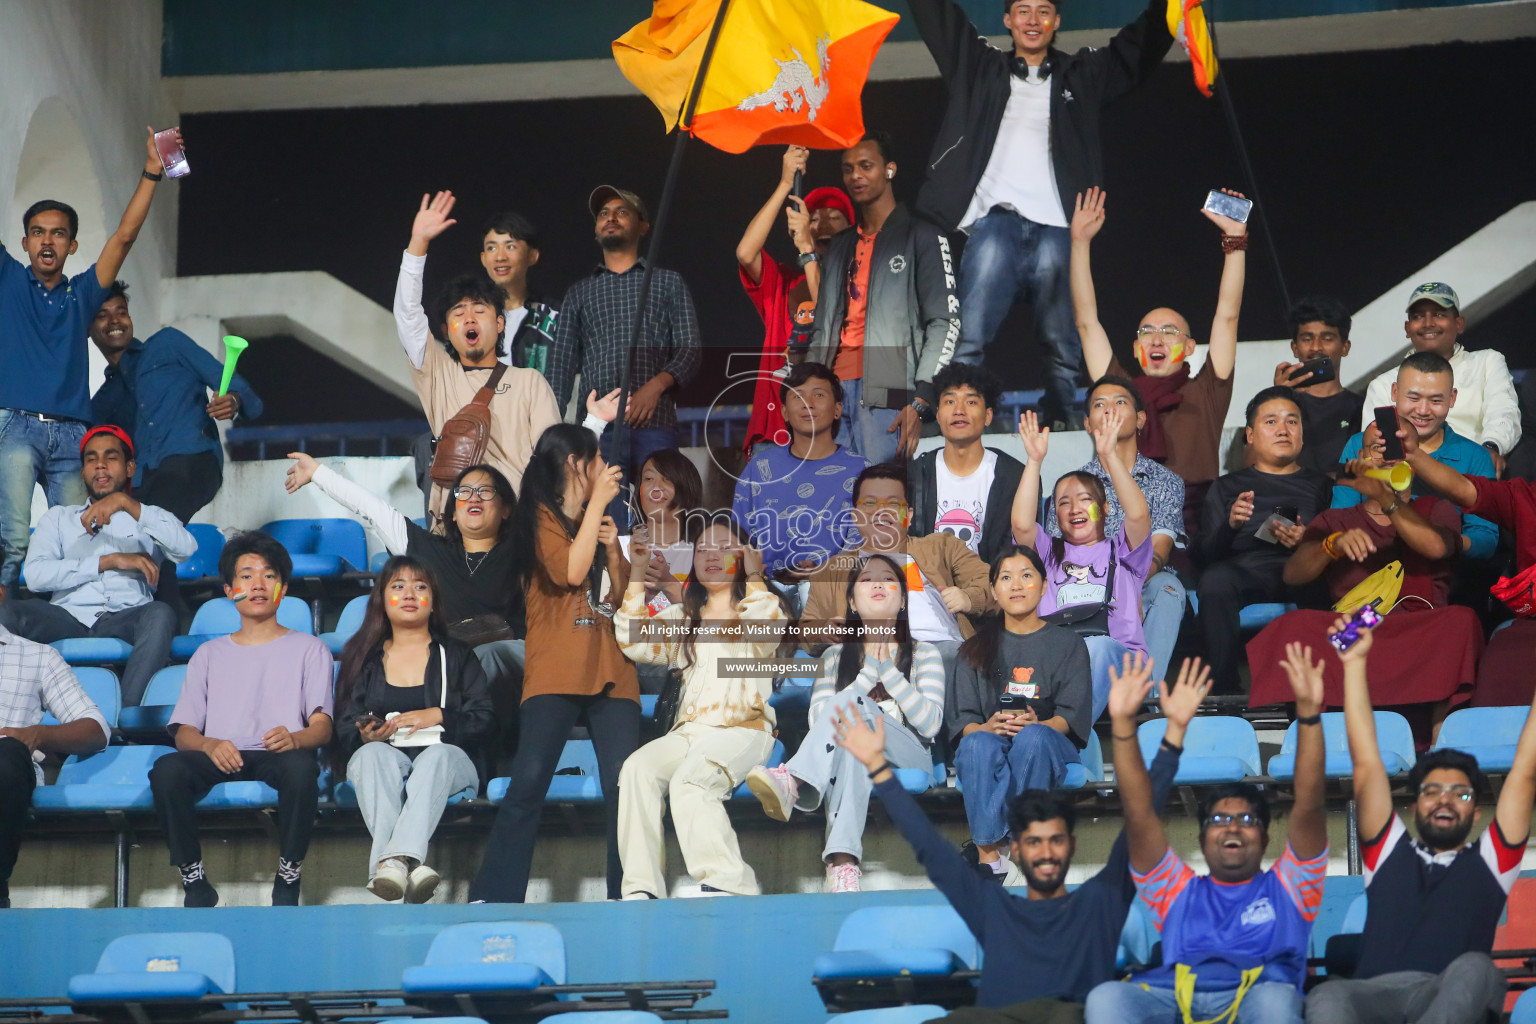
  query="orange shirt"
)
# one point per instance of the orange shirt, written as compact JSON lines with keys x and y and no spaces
{"x":849,"y":362}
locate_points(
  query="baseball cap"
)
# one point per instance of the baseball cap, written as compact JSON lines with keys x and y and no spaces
{"x":1442,"y":295}
{"x":830,"y":196}
{"x":115,"y":431}
{"x":603,"y":193}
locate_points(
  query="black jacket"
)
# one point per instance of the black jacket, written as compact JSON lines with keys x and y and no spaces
{"x":977,"y":74}
{"x":468,"y":721}
{"x":996,"y":531}
{"x":912,"y":317}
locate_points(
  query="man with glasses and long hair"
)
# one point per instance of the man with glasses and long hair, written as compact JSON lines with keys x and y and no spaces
{"x":1433,"y":903}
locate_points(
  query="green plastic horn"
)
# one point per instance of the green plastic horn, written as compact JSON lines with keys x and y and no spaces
{"x":233,"y":346}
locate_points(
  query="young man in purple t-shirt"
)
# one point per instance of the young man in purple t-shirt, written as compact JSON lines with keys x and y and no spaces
{"x":255,"y":706}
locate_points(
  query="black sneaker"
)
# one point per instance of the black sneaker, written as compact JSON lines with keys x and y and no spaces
{"x":969,"y":852}
{"x":285,"y":894}
{"x":200,"y":893}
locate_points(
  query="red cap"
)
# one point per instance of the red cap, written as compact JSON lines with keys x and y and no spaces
{"x":830,"y":196}
{"x":117,"y":432}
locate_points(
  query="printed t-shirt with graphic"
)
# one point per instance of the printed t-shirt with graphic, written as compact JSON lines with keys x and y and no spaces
{"x":849,"y":362}
{"x":927,"y":615}
{"x":1425,"y":909}
{"x":797,"y":509}
{"x":1050,"y":663}
{"x":1077,"y":578}
{"x":1218,"y":929}
{"x":962,"y":500}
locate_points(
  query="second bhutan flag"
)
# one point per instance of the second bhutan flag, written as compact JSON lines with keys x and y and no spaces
{"x":1186,"y":23}
{"x":783,"y":71}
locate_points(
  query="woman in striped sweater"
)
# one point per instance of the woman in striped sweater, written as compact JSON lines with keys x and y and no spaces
{"x":878,"y":672}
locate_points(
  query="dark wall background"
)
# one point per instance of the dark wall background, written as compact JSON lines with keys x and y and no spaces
{"x":1370,"y":164}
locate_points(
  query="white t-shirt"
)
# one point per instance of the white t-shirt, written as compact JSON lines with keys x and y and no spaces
{"x":1019,"y":174}
{"x":929,"y":619}
{"x":962,"y":500}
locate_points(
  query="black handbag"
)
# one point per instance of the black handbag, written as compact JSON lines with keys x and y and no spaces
{"x":667,"y":702}
{"x":488,"y":628}
{"x":1088,"y":619}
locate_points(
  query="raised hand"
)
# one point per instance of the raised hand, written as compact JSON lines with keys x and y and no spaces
{"x":1283,"y":376}
{"x":856,"y":737}
{"x":605,"y":408}
{"x":753,"y":559}
{"x":432,"y":219}
{"x":1088,"y":214}
{"x":1181,"y":700}
{"x":606,"y":486}
{"x":795,"y":158}
{"x":799,"y":220}
{"x":1306,"y":677}
{"x":1106,"y":434}
{"x":1037,"y":441}
{"x":1128,"y":688}
{"x":1365,"y":636}
{"x":301,"y":472}
{"x":1227,"y":224}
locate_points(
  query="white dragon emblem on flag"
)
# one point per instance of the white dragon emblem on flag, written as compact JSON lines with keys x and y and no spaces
{"x":796,"y":85}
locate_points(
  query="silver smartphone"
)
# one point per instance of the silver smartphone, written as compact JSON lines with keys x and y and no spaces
{"x":1237,"y":208}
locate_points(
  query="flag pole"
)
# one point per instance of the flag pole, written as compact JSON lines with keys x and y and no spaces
{"x":1252,"y":182}
{"x":658,"y":230}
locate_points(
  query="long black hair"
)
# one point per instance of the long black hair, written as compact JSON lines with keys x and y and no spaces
{"x":375,"y":630}
{"x":504,"y":493}
{"x":980,"y":651}
{"x":851,"y":658}
{"x":544,"y":488}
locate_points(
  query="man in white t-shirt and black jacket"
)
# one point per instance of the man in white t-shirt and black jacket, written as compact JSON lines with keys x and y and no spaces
{"x":965,"y":488}
{"x":1433,"y":903}
{"x":1019,"y":139}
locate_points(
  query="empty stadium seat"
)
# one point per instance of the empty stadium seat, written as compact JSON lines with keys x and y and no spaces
{"x":153,"y":714}
{"x":1524,"y":1011}
{"x":488,"y":955}
{"x":899,"y":941}
{"x":1217,"y":748}
{"x":1091,"y":768}
{"x":114,"y":779}
{"x":163,"y":965}
{"x":1394,"y":738}
{"x":1252,"y":617}
{"x":219,"y":617}
{"x":99,"y":684}
{"x":349,"y":622}
{"x":1488,"y":734}
{"x":93,"y":650}
{"x":205,"y":560}
{"x":322,"y":547}
{"x":888,"y":1015}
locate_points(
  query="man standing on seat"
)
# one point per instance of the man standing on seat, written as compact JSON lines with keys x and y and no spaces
{"x":34,"y":679}
{"x":256,"y":705}
{"x":1234,"y":941}
{"x":45,"y":404}
{"x":100,"y":563}
{"x":1020,"y":138}
{"x":1433,"y":903}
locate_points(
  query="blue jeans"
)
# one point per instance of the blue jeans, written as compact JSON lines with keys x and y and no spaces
{"x":993,"y":770}
{"x":1121,"y":1002}
{"x":642,"y":443}
{"x":866,"y":431}
{"x":34,"y":451}
{"x":1162,"y":610}
{"x":1006,"y":256}
{"x":1103,"y":651}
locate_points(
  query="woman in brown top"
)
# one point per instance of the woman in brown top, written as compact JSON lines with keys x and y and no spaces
{"x":575,"y":671}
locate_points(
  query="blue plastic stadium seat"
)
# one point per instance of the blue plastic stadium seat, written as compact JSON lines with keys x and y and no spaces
{"x":897,"y":942}
{"x":1394,"y":738}
{"x":890,"y":1015}
{"x":1216,"y":749}
{"x":376,"y":563}
{"x":99,"y":684}
{"x":1525,"y":1008}
{"x":485,"y":955}
{"x":1488,"y":734}
{"x":165,"y":965}
{"x":348,"y":622}
{"x":93,"y":650}
{"x":321,"y":547}
{"x":114,"y":779}
{"x":205,"y":560}
{"x":1137,"y":937}
{"x":1252,"y":617}
{"x":219,"y":617}
{"x":153,"y":714}
{"x":1091,"y":768}
{"x":596,"y":1017}
{"x":564,"y":789}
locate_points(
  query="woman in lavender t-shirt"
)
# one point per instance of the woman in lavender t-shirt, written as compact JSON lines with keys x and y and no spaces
{"x":1078,"y":563}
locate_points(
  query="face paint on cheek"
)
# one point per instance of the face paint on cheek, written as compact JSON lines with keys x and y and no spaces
{"x":238,"y":594}
{"x":394,"y":599}
{"x":1093,"y":512}
{"x":730,"y":562}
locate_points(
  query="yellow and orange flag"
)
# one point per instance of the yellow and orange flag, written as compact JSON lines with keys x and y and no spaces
{"x":783,"y":71}
{"x":1186,"y":23}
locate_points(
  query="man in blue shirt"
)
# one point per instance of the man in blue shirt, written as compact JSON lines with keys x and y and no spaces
{"x":158,"y":391}
{"x":1425,"y":392}
{"x":100,"y":563}
{"x":44,"y":402}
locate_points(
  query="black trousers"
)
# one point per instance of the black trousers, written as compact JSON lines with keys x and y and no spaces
{"x":1225,"y":587}
{"x":546,"y":722}
{"x":178,"y":781}
{"x":182,"y":484}
{"x":16,"y":784}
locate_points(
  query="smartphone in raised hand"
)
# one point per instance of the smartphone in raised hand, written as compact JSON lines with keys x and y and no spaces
{"x":1386,"y":422}
{"x":172,"y":155}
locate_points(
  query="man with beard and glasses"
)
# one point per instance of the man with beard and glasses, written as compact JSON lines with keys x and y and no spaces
{"x":100,"y":562}
{"x":1434,"y":902}
{"x":1041,"y":953}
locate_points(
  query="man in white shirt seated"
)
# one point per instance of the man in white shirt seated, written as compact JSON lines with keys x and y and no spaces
{"x":101,"y":562}
{"x":1487,"y":409}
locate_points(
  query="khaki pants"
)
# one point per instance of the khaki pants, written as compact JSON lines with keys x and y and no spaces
{"x":697,"y":767}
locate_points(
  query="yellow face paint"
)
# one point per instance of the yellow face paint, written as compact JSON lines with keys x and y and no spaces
{"x":730,"y":562}
{"x":1093,"y":512}
{"x":394,"y":598}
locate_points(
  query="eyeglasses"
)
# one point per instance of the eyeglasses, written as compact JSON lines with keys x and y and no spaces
{"x":877,"y":505}
{"x":1246,"y":820}
{"x":1168,"y":332}
{"x":485,"y":492}
{"x":1434,"y":791}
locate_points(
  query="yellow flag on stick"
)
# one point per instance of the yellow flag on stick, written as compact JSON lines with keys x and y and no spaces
{"x":1186,"y":21}
{"x":783,"y":71}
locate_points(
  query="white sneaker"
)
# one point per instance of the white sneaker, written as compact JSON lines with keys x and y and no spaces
{"x":422,"y":884}
{"x":844,"y":877}
{"x":776,"y":789}
{"x":389,"y":881}
{"x":697,"y":892}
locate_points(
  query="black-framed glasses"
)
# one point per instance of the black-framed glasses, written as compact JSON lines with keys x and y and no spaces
{"x":485,"y":492}
{"x":1434,"y":791}
{"x":1246,"y":820}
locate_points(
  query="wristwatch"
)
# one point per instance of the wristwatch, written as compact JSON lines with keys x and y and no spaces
{"x":925,"y":412}
{"x":806,"y":258}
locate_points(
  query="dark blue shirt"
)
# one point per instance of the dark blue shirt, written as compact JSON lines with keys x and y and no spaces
{"x":43,"y":338}
{"x":158,"y":392}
